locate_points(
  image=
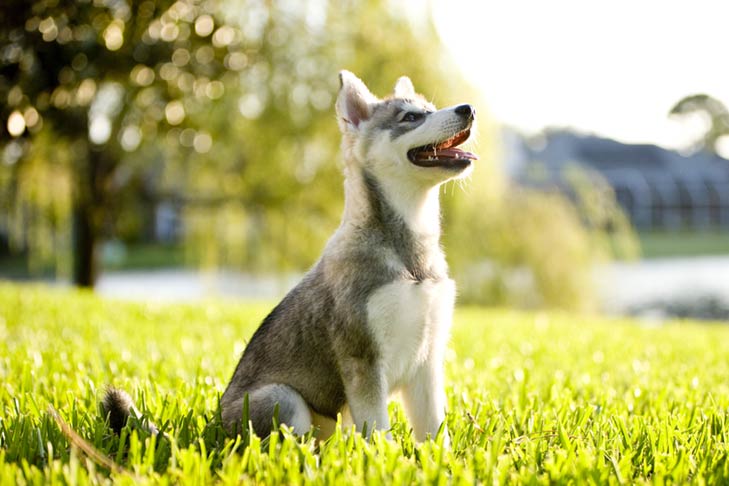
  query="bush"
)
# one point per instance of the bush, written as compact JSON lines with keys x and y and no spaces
{"x":533,"y":247}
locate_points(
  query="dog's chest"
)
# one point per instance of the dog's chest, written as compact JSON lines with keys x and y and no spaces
{"x":410,"y":322}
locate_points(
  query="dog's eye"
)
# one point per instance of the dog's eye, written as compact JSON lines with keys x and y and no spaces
{"x":412,"y":116}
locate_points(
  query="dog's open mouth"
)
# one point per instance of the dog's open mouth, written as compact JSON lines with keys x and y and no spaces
{"x":443,"y":154}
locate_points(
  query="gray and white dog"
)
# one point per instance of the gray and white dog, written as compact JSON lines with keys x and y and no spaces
{"x":373,"y":315}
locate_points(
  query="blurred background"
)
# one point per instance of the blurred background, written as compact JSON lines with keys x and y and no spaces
{"x":185,"y":149}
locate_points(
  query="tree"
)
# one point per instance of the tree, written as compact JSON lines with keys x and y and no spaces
{"x":123,"y":89}
{"x":282,"y":183}
{"x":716,"y":114}
{"x":101,"y":77}
{"x":226,"y":109}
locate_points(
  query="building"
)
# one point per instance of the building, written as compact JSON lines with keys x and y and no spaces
{"x":658,"y":188}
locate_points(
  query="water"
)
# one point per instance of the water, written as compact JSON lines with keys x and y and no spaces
{"x":655,"y":286}
{"x":647,"y":287}
{"x":180,"y":285}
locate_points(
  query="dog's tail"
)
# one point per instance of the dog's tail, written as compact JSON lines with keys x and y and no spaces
{"x":119,"y":406}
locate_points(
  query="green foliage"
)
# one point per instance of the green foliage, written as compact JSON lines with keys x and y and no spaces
{"x":534,"y":248}
{"x":714,"y":112}
{"x":36,"y":197}
{"x":226,"y":112}
{"x":224,"y":108}
{"x":279,"y":175}
{"x":102,"y":78}
{"x":538,"y":253}
{"x":533,"y":398}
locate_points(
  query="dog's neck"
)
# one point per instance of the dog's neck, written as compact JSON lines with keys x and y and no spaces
{"x":366,"y":197}
{"x":404,"y":224}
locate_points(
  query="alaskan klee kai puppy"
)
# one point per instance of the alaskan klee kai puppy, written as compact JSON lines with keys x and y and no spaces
{"x":373,"y":315}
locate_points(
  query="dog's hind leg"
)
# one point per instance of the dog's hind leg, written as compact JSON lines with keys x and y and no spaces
{"x":292,"y":410}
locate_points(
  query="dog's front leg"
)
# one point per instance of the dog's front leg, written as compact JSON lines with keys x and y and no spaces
{"x":366,"y":395}
{"x":425,"y":401}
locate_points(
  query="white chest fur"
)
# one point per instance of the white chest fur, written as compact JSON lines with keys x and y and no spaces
{"x":410,"y":322}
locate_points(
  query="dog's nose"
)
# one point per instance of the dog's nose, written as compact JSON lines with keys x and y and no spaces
{"x":467,"y":111}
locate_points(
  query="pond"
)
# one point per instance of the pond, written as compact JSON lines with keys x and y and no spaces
{"x":657,"y":288}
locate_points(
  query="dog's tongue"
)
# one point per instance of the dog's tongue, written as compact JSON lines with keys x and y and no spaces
{"x":447,"y":153}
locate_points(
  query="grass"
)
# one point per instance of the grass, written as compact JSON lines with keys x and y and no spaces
{"x":534,"y":398}
{"x":148,"y":256}
{"x":683,"y":244}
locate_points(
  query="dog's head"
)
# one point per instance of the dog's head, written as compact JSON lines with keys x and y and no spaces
{"x":403,"y":135}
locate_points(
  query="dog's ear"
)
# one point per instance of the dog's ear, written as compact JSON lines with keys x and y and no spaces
{"x":404,"y":88}
{"x":353,"y":102}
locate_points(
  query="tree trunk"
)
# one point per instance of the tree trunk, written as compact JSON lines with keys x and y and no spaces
{"x":84,"y":247}
{"x":86,"y":225}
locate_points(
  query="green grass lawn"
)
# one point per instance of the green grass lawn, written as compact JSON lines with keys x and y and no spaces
{"x":533,"y":397}
{"x":683,"y":244}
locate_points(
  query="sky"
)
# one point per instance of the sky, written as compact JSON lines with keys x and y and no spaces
{"x":612,"y":68}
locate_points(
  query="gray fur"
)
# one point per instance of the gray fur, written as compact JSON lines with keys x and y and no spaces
{"x":118,"y":406}
{"x":398,"y":129}
{"x":386,"y":116}
{"x":317,"y":340}
{"x":262,"y":402}
{"x":393,"y":233}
